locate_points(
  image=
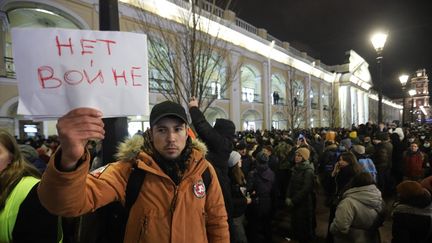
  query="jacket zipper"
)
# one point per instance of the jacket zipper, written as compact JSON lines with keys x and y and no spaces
{"x":173,"y":206}
{"x":146,"y":225}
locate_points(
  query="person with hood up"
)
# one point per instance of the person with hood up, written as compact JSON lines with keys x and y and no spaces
{"x":173,"y":197}
{"x":219,"y":141}
{"x":412,"y":214}
{"x":299,"y":197}
{"x":360,"y":212}
{"x":261,"y":186}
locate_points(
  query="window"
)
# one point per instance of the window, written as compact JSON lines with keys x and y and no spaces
{"x":248,"y":94}
{"x":216,"y":89}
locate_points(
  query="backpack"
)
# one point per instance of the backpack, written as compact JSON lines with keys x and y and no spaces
{"x":108,"y":223}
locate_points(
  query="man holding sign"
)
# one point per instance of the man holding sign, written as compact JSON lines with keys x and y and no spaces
{"x":174,"y":204}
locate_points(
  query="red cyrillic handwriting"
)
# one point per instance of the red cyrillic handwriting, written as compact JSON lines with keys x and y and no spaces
{"x":83,"y":46}
{"x":87,"y":46}
{"x":48,"y":79}
{"x":63,"y":45}
{"x":133,"y":75}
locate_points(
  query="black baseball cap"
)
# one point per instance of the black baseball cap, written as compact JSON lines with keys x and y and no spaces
{"x":167,"y":108}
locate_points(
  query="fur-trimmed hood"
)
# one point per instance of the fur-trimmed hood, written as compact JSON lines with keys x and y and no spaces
{"x":131,"y":147}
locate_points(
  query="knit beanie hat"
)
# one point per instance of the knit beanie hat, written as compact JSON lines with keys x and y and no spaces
{"x":331,"y":136}
{"x":412,"y":193}
{"x":427,"y":183}
{"x":359,"y":149}
{"x":346,"y":143}
{"x":352,"y":135}
{"x":262,"y":158}
{"x":304,"y":152}
{"x":234,"y":158}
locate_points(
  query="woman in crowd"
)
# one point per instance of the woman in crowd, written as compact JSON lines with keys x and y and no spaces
{"x":345,"y":169}
{"x":360,"y":213}
{"x":239,"y":196}
{"x":299,"y":197}
{"x":22,"y":217}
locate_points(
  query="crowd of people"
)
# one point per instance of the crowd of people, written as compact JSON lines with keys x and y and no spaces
{"x":254,"y":176}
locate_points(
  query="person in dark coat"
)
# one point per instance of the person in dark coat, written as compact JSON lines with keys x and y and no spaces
{"x":412,"y":214}
{"x":261,"y":186}
{"x":326,"y":165}
{"x":413,"y":163}
{"x":219,"y":141}
{"x":397,"y":155}
{"x":299,"y":197}
{"x":382,"y":158}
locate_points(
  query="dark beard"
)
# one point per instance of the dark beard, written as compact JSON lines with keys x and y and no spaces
{"x":174,"y":168}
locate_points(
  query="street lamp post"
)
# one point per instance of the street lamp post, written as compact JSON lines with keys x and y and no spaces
{"x":412,"y":92}
{"x":378,"y":41}
{"x":403,"y":79}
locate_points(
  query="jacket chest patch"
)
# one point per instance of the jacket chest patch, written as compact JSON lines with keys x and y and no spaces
{"x":97,"y":172}
{"x":199,"y":189}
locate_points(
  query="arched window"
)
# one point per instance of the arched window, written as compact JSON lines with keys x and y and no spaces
{"x":278,"y":85}
{"x":160,"y":71}
{"x":213,"y":113}
{"x":298,"y":92}
{"x":251,"y":120}
{"x":279,"y":121}
{"x":314,"y":96}
{"x":250,"y":84}
{"x":215,"y":76}
{"x":41,"y":16}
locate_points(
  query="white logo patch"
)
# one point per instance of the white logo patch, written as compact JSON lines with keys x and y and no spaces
{"x":97,"y":172}
{"x":199,"y":189}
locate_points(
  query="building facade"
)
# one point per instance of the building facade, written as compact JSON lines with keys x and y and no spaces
{"x":322,"y":95}
{"x":416,"y":108}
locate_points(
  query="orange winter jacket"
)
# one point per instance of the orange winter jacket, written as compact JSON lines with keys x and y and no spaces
{"x":163,"y":212}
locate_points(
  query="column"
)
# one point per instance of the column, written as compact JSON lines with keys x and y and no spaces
{"x":266,"y":93}
{"x":366,"y":106}
{"x":320,"y":105}
{"x":235,"y":92}
{"x":3,"y":30}
{"x":308,"y":101}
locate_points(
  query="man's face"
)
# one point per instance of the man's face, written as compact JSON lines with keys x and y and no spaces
{"x":414,"y":147}
{"x":169,"y":137}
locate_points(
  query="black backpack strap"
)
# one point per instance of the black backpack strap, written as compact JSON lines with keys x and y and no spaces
{"x":133,"y":187}
{"x":206,"y":177}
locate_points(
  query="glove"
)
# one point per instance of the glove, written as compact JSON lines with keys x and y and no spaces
{"x":288,"y":202}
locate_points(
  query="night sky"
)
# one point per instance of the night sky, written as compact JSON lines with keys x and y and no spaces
{"x":326,"y":29}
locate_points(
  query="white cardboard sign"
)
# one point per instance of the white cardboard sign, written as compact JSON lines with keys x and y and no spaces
{"x":62,"y":69}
